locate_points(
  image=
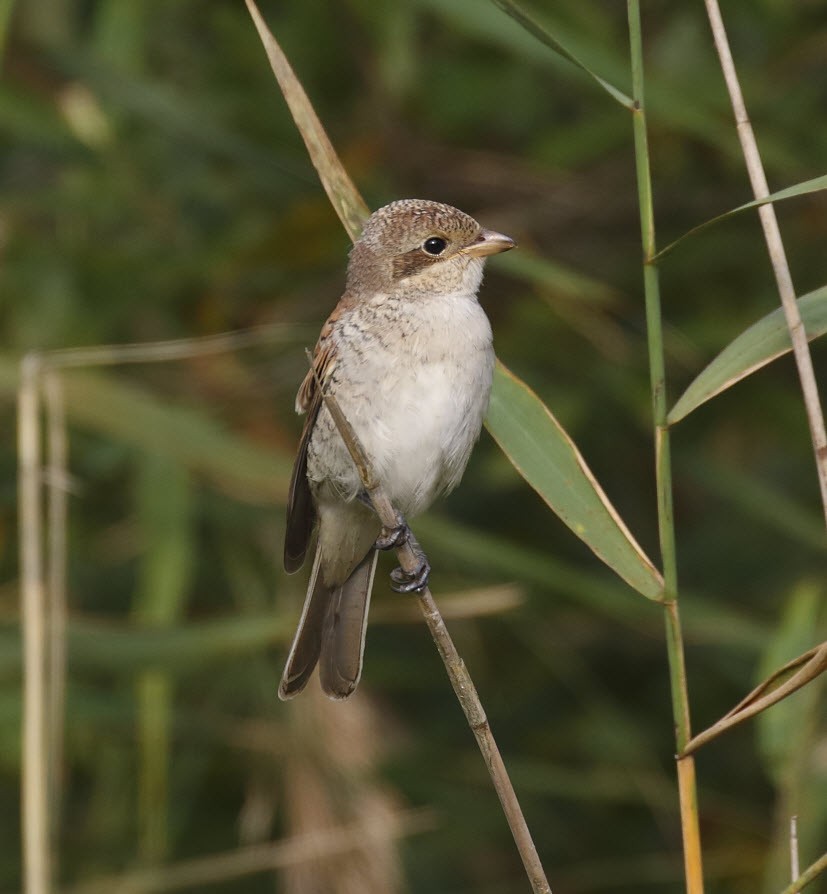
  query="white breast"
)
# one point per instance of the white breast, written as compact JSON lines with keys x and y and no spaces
{"x":414,"y":378}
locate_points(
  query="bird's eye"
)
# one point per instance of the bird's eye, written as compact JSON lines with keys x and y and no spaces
{"x":434,"y":245}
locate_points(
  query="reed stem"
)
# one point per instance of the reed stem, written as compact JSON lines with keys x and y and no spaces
{"x":687,"y":788}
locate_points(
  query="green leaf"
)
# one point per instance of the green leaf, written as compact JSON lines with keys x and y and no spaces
{"x":755,"y":347}
{"x":512,"y":9}
{"x":817,"y":184}
{"x":542,"y":452}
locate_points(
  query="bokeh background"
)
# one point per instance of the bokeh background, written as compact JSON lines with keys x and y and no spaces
{"x":154,"y":187}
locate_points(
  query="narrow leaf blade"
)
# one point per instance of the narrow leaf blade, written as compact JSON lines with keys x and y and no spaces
{"x":755,"y":347}
{"x":535,"y":29}
{"x":817,"y":184}
{"x":542,"y":452}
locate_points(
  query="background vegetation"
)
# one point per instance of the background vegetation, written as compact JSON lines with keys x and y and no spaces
{"x":154,"y":188}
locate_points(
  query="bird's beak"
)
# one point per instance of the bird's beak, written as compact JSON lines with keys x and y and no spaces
{"x":489,"y":243}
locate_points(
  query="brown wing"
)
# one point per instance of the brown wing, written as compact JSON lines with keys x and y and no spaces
{"x":301,"y":510}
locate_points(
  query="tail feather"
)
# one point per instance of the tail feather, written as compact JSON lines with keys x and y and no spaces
{"x":307,"y":643}
{"x":343,"y":640}
{"x":331,"y":632}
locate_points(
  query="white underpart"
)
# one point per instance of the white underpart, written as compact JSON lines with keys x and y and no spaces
{"x":417,"y":391}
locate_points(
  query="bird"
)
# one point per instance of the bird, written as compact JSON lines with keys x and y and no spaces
{"x":408,"y":355}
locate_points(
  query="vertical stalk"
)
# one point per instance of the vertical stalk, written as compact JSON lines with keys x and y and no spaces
{"x":34,"y":799}
{"x":775,"y":247}
{"x":56,"y":610}
{"x":663,"y":467}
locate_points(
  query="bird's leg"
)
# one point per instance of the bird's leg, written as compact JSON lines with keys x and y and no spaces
{"x":389,"y":538}
{"x":392,"y":538}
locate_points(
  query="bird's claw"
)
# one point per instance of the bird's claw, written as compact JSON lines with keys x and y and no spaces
{"x":403,"y":582}
{"x":390,"y":538}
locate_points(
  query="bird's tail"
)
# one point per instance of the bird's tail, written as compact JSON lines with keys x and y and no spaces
{"x":331,"y":632}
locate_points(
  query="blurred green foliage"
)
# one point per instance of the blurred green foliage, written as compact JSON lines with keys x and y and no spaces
{"x":154,"y":187}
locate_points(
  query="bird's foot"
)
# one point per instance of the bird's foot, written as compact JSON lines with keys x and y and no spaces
{"x":402,"y":582}
{"x":416,"y":580}
{"x":394,"y":537}
{"x":390,"y":538}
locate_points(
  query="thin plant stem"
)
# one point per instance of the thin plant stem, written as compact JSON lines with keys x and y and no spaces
{"x":775,"y":246}
{"x":57,"y":508}
{"x":687,"y":787}
{"x":458,"y":674}
{"x":810,"y":874}
{"x":34,"y":745}
{"x":795,"y":866}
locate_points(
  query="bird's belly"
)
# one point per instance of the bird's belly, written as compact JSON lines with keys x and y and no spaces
{"x":427,"y":421}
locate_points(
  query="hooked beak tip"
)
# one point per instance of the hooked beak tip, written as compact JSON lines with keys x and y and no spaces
{"x":490,"y":242}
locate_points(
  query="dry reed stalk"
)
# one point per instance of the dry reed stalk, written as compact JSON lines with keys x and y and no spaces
{"x":775,"y":246}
